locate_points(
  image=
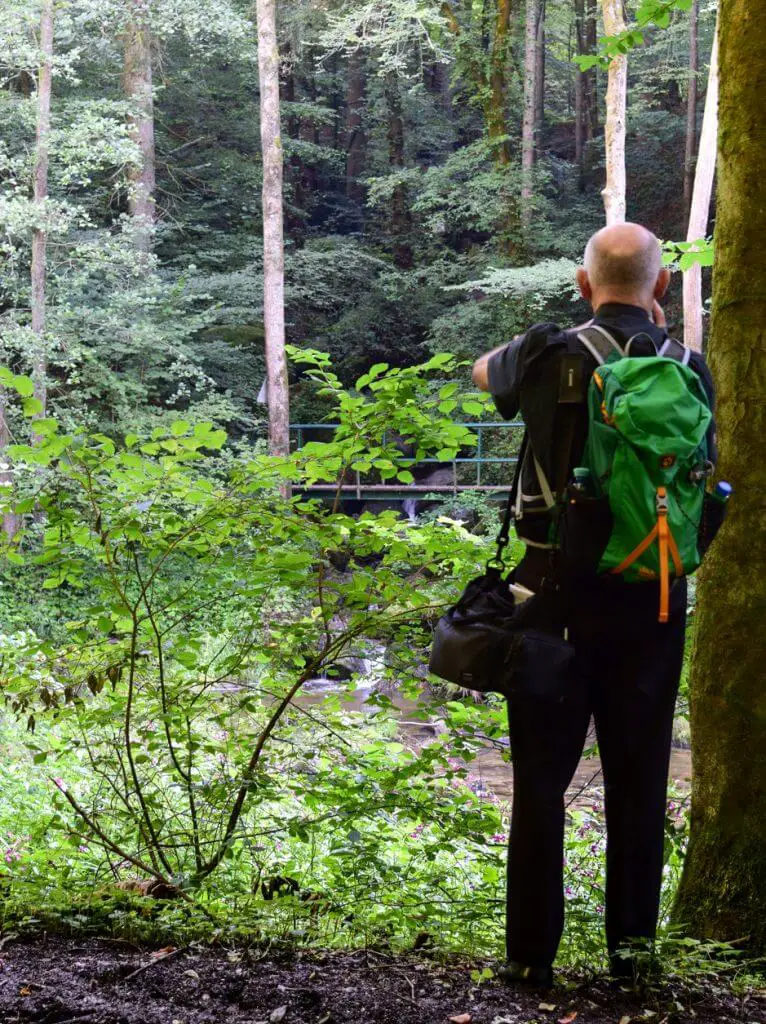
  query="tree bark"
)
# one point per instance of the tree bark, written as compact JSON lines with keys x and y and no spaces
{"x":591,"y":79}
{"x":722,"y":894}
{"x":691,"y":108}
{"x":273,"y":230}
{"x":700,"y":208}
{"x":40,"y":234}
{"x":138,"y":88}
{"x":356,"y":141}
{"x":540,"y":78}
{"x":580,"y":93}
{"x":400,"y":215}
{"x":10,"y":519}
{"x":528,"y":125}
{"x":497,"y":124}
{"x":616,"y":102}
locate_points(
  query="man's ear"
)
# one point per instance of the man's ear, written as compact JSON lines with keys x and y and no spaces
{"x":663,"y":282}
{"x":583,"y":283}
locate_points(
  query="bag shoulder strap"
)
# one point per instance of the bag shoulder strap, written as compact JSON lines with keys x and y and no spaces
{"x":505,"y":530}
{"x":672,"y":349}
{"x":599,"y":342}
{"x":572,"y":393}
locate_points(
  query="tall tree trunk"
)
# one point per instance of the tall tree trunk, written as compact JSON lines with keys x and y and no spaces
{"x":400,"y":215}
{"x":10,"y":519}
{"x":528,"y":125}
{"x":356,"y":142}
{"x":540,"y":78}
{"x":722,"y":894}
{"x":497,"y":124}
{"x":616,"y":102}
{"x":580,"y":93}
{"x":700,"y":208}
{"x":273,"y":230}
{"x":591,"y":77}
{"x":40,"y":235}
{"x":691,"y":108}
{"x":138,"y":89}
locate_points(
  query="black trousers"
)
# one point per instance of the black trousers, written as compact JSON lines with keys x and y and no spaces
{"x":627,"y":670}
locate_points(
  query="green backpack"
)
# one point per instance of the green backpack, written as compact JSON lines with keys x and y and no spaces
{"x":647,"y":453}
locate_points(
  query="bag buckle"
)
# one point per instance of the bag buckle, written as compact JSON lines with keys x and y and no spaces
{"x":703,"y":472}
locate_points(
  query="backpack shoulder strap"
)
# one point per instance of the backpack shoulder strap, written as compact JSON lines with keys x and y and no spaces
{"x":599,"y":342}
{"x":672,"y":349}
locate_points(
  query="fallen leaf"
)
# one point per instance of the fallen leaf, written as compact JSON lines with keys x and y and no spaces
{"x":191,"y":974}
{"x":461,"y":1018}
{"x":624,"y":1020}
{"x":25,"y":991}
{"x":548,"y":1007}
{"x":158,"y":954}
{"x":569,"y":1018}
{"x":278,"y":1014}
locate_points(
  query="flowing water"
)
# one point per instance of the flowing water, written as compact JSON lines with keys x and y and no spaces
{"x":490,"y":773}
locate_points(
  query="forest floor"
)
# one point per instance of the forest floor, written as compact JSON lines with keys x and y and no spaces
{"x":91,"y":981}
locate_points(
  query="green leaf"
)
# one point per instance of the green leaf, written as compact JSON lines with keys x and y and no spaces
{"x":24,"y":386}
{"x":473,"y":408}
{"x":32,"y":406}
{"x":179,"y":428}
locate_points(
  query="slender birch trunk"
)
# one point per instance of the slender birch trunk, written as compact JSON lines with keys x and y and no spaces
{"x":616,"y":102}
{"x":139,"y":91}
{"x":691,"y":107}
{"x":273,"y":230}
{"x":40,"y":234}
{"x":528,"y":126}
{"x":700,"y":208}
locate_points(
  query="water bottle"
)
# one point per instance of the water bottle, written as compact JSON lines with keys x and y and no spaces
{"x":582,"y":483}
{"x":722,"y":491}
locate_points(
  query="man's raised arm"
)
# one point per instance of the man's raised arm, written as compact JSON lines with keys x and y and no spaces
{"x":498,"y":372}
{"x":480,"y":371}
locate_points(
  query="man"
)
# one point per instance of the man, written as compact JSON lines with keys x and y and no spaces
{"x":627,"y":664}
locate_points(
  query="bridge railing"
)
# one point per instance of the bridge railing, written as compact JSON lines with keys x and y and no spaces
{"x":466,"y":470}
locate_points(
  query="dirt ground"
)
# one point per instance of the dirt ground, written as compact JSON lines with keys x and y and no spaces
{"x":64,"y":981}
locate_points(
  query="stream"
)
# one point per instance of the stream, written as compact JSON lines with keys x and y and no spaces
{"x":489,"y":775}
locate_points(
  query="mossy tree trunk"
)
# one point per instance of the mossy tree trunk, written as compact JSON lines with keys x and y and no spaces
{"x":497,"y":123}
{"x":723,"y":895}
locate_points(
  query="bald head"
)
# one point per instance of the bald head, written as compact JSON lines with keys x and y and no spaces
{"x":623,"y":263}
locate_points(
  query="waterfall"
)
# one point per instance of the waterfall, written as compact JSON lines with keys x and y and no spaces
{"x":409,"y":506}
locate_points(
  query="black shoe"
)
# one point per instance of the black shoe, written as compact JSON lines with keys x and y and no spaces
{"x":514,"y":973}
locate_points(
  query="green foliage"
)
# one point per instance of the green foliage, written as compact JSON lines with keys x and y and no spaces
{"x":195,"y":699}
{"x":649,"y":13}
